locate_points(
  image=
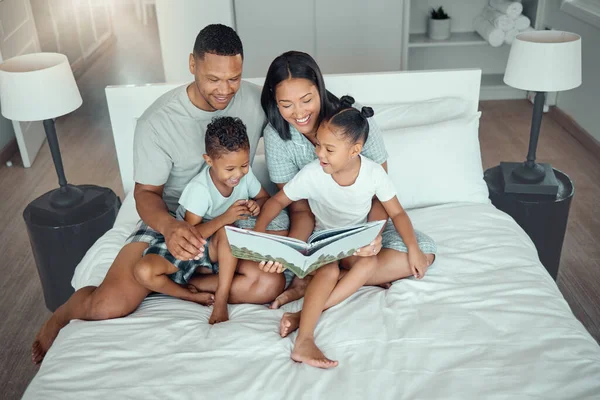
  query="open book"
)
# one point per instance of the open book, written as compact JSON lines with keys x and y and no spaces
{"x":301,"y":257}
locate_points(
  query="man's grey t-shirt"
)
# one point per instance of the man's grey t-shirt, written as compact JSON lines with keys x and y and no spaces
{"x":169,"y":137}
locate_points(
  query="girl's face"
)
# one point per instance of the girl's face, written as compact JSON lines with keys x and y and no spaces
{"x":334,"y":150}
{"x":299,"y":104}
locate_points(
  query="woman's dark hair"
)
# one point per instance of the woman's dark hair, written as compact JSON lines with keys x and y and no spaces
{"x":224,"y":135}
{"x":352,"y":122}
{"x":294,"y":64}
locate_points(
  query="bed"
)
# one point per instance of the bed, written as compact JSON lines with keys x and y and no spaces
{"x":487,"y":322}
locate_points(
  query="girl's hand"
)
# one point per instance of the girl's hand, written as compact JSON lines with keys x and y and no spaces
{"x":253,"y":207}
{"x":271,"y":266}
{"x":372,"y":249}
{"x":418,"y":263}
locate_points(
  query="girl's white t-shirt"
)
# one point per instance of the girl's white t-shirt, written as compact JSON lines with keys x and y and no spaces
{"x":336,"y":206}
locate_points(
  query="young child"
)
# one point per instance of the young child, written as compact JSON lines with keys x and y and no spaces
{"x":223,"y":193}
{"x":339,"y":186}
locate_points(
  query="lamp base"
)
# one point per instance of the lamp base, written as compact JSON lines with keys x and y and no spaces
{"x":515,"y":183}
{"x":66,"y":196}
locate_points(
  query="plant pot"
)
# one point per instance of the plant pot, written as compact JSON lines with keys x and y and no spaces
{"x":438,"y":29}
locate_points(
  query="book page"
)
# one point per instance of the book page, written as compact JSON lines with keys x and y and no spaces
{"x":344,"y":247}
{"x":296,"y":244}
{"x":263,"y":249}
{"x":329,"y":233}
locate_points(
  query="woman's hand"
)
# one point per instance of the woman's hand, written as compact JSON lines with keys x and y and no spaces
{"x":372,"y":249}
{"x":271,"y":266}
{"x":418,"y":263}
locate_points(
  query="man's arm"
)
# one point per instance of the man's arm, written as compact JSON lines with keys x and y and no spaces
{"x":302,"y":220}
{"x":182,"y":239}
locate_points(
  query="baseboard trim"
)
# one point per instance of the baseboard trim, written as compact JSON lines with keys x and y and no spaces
{"x":8,"y":151}
{"x":576,"y":130}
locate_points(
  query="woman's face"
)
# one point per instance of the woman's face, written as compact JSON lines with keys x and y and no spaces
{"x":299,"y":104}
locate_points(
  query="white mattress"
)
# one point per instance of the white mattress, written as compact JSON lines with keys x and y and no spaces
{"x":487,"y":322}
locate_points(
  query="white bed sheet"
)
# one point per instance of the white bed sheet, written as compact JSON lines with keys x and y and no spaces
{"x":487,"y":322}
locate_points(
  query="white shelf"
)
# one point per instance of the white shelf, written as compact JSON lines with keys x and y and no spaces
{"x":456,"y":39}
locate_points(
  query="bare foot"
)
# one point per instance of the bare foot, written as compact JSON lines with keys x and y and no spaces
{"x":294,"y":292}
{"x":289,"y":323}
{"x":219,"y":314}
{"x":192,"y":288}
{"x":44,"y":339}
{"x":204,"y":298}
{"x":307,"y":352}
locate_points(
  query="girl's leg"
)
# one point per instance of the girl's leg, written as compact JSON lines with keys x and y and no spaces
{"x":219,"y":246}
{"x":360,"y":270}
{"x":151,"y":272}
{"x":305,"y":349}
{"x":392,"y":265}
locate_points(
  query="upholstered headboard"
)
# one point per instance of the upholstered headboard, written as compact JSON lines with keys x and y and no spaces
{"x":127,"y":103}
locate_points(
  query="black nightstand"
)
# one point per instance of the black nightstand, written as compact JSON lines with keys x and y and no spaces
{"x":61,"y":237}
{"x":544,"y":218}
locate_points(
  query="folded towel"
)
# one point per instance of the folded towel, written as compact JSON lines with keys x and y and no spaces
{"x":498,"y":19}
{"x":511,"y":8}
{"x":493,"y":35}
{"x":522,"y":22}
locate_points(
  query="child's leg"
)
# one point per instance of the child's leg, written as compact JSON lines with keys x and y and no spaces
{"x":305,"y":349}
{"x":220,"y":251}
{"x":392,"y":266}
{"x":151,"y":272}
{"x":361,"y":269}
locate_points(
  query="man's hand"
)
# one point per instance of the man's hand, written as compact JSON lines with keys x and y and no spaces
{"x":253,"y":207}
{"x":372,"y":249}
{"x":418,"y":263}
{"x":238,"y":210}
{"x":183,"y":242}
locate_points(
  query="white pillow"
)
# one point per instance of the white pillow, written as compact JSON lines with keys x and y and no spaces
{"x":437,"y":163}
{"x":399,"y":115}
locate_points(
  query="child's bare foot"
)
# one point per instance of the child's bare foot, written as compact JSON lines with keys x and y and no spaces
{"x":204,"y":298}
{"x":192,"y":288}
{"x":289,"y":323}
{"x":44,"y":339}
{"x":307,"y":352}
{"x":219,"y":314}
{"x":294,"y":292}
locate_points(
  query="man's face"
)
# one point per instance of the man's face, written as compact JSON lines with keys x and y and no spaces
{"x":216,"y":80}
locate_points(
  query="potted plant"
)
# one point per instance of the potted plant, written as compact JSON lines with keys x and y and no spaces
{"x":438,"y":27}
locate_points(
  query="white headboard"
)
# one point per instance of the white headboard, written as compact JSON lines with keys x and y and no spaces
{"x":127,"y":103}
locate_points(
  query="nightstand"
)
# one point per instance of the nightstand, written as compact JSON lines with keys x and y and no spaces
{"x":544,"y":218}
{"x":60,"y":237}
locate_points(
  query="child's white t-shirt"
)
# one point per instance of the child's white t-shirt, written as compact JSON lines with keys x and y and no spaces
{"x":202,"y":197}
{"x":336,"y":206}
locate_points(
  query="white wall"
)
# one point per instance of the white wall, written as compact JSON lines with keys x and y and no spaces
{"x":580,"y":103}
{"x":178,"y":25}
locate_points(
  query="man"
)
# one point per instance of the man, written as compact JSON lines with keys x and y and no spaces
{"x":168,"y":149}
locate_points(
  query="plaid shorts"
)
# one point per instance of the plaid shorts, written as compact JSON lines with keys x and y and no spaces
{"x":390,"y":239}
{"x":187,"y":268}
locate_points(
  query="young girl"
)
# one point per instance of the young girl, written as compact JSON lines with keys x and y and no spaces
{"x":339,"y":187}
{"x":225,"y":192}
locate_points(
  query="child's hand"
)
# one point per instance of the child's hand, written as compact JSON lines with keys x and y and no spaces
{"x":238,"y":210}
{"x":253,"y":207}
{"x":418,"y":263}
{"x":271,"y":266}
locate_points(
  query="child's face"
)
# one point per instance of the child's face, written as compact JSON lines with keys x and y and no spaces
{"x":230,"y":167}
{"x":333,"y":149}
{"x":299,"y":103}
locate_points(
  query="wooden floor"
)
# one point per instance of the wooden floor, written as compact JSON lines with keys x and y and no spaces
{"x":89,"y":157}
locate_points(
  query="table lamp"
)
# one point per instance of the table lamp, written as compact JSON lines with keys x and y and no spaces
{"x":539,"y":61}
{"x":41,"y":87}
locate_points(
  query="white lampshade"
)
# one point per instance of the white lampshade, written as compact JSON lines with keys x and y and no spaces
{"x":38,"y":86}
{"x":544,"y":61}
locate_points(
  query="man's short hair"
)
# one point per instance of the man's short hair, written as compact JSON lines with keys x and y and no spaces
{"x":218,"y":39}
{"x":224,"y":135}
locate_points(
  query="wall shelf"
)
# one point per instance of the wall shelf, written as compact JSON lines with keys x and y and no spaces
{"x":457,"y":39}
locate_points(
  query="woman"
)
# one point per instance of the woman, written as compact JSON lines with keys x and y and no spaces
{"x":295,"y":101}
